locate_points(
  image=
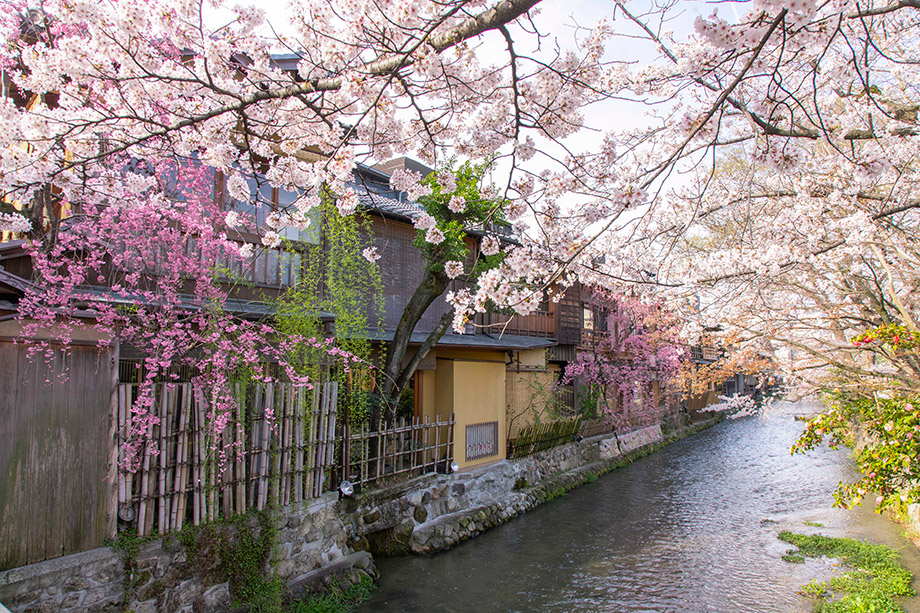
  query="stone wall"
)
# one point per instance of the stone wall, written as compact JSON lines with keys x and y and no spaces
{"x":436,"y":512}
{"x":191,"y":571}
{"x":312,"y":543}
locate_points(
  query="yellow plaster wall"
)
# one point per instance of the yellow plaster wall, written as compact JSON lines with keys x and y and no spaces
{"x":533,"y":358}
{"x":479,"y":396}
{"x":444,"y":387}
{"x":428,"y":401}
{"x":526,"y":395}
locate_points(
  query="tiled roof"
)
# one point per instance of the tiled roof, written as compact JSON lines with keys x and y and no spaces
{"x":484,"y":341}
{"x":389,"y":206}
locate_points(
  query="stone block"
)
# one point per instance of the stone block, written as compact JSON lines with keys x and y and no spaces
{"x":215,"y":598}
{"x":147,"y":606}
{"x":72,"y":600}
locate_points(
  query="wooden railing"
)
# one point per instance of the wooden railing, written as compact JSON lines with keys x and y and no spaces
{"x":540,"y":323}
{"x":398,"y":450}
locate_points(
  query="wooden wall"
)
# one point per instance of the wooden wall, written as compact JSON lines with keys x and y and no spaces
{"x":56,"y":487}
{"x":401,"y":270}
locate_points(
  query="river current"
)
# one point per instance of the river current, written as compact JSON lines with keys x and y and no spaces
{"x":690,"y":528}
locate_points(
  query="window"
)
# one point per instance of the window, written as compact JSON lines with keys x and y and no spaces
{"x":481,"y":440}
{"x":588,"y":318}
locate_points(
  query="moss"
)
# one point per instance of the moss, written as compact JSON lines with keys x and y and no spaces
{"x":391,"y":542}
{"x":129,"y":544}
{"x":337,"y":599}
{"x":876,"y":579}
{"x":814,"y":524}
{"x":239,"y":551}
{"x":520,"y":483}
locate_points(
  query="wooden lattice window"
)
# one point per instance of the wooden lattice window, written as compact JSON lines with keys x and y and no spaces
{"x":481,"y":440}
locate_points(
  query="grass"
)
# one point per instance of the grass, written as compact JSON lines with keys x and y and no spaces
{"x":876,"y":578}
{"x":337,"y":600}
{"x":814,"y":524}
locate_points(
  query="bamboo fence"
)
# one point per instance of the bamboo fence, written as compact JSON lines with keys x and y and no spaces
{"x":186,"y":472}
{"x":399,"y":450}
{"x":537,"y":437}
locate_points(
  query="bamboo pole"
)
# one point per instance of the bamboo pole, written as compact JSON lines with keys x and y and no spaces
{"x":180,"y":476}
{"x":276,"y":471}
{"x":195,"y":464}
{"x":287,"y":436}
{"x":122,"y":434}
{"x":313,"y":450}
{"x":330,"y":432}
{"x":255,"y":437}
{"x":263,"y":453}
{"x":298,"y":446}
{"x":201,"y":487}
{"x":161,"y":473}
{"x":239,"y":450}
{"x":226,"y":471}
{"x":145,"y":468}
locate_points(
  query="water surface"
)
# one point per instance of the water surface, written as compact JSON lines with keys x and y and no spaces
{"x":690,"y":528}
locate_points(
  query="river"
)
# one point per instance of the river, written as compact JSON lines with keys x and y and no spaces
{"x":690,"y":528}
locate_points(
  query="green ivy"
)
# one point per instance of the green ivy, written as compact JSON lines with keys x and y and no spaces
{"x":238,"y":550}
{"x":481,"y":211}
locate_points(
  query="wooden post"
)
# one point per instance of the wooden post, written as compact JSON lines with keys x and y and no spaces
{"x":115,"y":478}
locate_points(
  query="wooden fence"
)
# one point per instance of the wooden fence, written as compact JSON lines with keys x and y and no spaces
{"x":186,"y":474}
{"x":56,"y":494}
{"x":537,"y":437}
{"x":399,"y":450}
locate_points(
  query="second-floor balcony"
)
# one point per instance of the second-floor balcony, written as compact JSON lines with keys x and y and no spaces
{"x":541,"y":323}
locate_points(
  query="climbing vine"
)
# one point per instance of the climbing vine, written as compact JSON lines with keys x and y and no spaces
{"x":339,"y":280}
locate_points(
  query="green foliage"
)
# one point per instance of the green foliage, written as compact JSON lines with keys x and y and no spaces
{"x":814,"y":524}
{"x":814,"y":588}
{"x":876,"y":579}
{"x":246,"y":556}
{"x":481,"y":211}
{"x":890,"y":336}
{"x":336,"y":279}
{"x":589,"y":399}
{"x":888,"y":460}
{"x":129,"y":543}
{"x":338,"y":599}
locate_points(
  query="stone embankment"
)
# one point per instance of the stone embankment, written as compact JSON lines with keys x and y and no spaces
{"x":327,"y":540}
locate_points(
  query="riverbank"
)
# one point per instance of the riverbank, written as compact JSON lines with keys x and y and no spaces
{"x":690,"y":528}
{"x":420,"y":518}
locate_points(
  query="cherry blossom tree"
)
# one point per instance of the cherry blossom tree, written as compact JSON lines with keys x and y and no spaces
{"x":457,"y":210}
{"x":636,"y":346}
{"x":790,"y":128}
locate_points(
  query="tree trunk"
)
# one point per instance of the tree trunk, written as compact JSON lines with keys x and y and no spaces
{"x":432,"y":286}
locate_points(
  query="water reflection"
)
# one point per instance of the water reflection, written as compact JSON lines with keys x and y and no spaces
{"x":691,"y":528}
